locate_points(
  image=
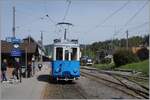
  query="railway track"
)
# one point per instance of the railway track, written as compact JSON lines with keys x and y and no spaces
{"x":117,"y":82}
{"x":62,"y":90}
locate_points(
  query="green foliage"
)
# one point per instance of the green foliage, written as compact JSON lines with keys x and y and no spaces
{"x":106,"y":61}
{"x":143,"y":53}
{"x":104,"y":66}
{"x":108,"y":44}
{"x":135,"y":41}
{"x":146,"y":40}
{"x":89,"y":53}
{"x":142,"y":66}
{"x":123,"y":56}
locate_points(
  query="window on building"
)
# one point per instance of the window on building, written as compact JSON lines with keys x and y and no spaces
{"x":74,"y":54}
{"x":59,"y":53}
{"x":66,"y":54}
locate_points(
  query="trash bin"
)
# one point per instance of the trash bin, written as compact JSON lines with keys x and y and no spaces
{"x":40,"y":66}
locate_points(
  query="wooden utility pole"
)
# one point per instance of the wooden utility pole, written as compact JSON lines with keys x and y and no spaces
{"x":13,"y":21}
{"x":112,"y":42}
{"x":26,"y":58}
{"x":127,"y":44}
{"x":85,"y":51}
{"x":41,"y":46}
{"x":65,"y":34}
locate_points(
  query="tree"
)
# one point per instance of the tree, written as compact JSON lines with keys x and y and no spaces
{"x":143,"y":53}
{"x":123,"y":56}
{"x":146,"y":40}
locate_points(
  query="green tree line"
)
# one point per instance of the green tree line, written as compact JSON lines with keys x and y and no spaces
{"x":110,"y":45}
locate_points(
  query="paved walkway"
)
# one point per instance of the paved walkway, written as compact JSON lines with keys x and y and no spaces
{"x":30,"y":88}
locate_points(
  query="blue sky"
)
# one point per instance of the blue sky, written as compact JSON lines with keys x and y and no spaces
{"x":84,"y":14}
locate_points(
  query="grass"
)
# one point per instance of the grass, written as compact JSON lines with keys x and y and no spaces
{"x":140,"y":81}
{"x":142,"y":66}
{"x":104,"y":66}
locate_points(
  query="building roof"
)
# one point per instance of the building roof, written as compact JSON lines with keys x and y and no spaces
{"x":31,"y":48}
{"x":6,"y":47}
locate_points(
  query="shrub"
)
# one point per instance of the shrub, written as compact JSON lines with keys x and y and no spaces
{"x":143,"y":53}
{"x":106,"y":61}
{"x":123,"y":56}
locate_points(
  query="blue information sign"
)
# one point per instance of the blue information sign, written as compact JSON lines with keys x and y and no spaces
{"x":13,"y":40}
{"x":16,"y":41}
{"x":16,"y":52}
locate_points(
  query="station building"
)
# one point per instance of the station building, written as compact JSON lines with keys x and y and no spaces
{"x":29,"y":49}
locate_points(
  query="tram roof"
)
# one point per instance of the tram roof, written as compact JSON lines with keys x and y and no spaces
{"x":66,"y":43}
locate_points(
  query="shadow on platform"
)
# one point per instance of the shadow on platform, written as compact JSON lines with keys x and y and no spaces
{"x":46,"y":78}
{"x":43,"y":78}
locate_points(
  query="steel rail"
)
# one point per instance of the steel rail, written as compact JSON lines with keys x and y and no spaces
{"x":120,"y":84}
{"x":112,"y":85}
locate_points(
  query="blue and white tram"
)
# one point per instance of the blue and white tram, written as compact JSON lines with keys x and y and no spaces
{"x":65,"y":63}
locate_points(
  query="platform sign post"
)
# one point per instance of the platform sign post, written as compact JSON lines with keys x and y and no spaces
{"x":16,"y":52}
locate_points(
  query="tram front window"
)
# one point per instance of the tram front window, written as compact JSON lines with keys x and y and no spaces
{"x":66,"y":55}
{"x":59,"y":53}
{"x":74,"y":54}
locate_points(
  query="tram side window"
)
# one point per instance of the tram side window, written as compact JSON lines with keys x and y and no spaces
{"x":66,"y":55}
{"x":74,"y":54}
{"x":59,"y":53}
